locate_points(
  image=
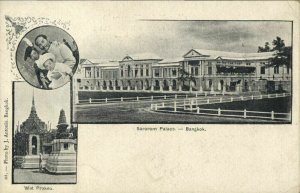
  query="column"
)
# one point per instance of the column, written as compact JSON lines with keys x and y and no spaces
{"x":101,"y":85}
{"x":30,"y":145}
{"x":144,"y":84}
{"x":75,"y":83}
{"x":38,"y":145}
{"x":161,"y":86}
{"x":212,"y":87}
{"x":128,"y":86}
{"x":121,"y":85}
{"x":179,"y":87}
{"x":219,"y":86}
{"x":114,"y":85}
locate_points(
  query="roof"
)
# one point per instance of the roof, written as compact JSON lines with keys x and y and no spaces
{"x":142,"y":56}
{"x":99,"y":63}
{"x":101,"y":60}
{"x":232,"y":55}
{"x":171,"y":60}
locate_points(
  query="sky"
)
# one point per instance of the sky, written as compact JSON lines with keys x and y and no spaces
{"x":171,"y":39}
{"x":48,"y":103}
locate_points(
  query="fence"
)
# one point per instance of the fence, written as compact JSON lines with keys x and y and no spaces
{"x":191,"y":106}
{"x":147,"y":98}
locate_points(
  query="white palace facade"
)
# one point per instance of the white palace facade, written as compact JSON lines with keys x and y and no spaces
{"x":212,"y":71}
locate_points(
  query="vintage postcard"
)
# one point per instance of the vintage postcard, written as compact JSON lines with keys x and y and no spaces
{"x":149,"y":96}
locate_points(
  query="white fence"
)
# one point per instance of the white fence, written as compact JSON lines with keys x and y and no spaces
{"x":191,"y":106}
{"x":147,"y":98}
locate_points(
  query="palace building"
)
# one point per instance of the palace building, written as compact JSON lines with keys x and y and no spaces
{"x":197,"y":70}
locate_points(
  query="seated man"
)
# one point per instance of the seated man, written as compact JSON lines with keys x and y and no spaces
{"x":58,"y":73}
{"x":61,"y":52}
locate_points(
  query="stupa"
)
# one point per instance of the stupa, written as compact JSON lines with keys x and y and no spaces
{"x":62,"y":159}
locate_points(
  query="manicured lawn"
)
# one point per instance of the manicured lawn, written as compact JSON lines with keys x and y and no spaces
{"x":280,"y":105}
{"x":102,"y":95}
{"x":138,"y":112}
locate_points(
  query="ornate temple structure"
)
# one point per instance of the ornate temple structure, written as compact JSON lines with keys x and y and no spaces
{"x":33,"y":139}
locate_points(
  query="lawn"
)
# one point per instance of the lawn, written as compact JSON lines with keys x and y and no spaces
{"x":102,"y":95}
{"x":138,"y":112}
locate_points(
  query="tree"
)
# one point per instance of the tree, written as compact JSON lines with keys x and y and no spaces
{"x":278,"y":44}
{"x":264,"y":49}
{"x":283,"y":57}
{"x":185,"y":76}
{"x":283,"y":54}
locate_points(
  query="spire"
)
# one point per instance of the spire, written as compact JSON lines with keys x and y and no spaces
{"x":33,"y":105}
{"x":33,"y":110}
{"x":62,"y":118}
{"x":62,"y":125}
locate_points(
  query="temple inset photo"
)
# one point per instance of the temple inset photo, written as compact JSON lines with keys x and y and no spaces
{"x":187,"y":72}
{"x":47,"y":57}
{"x":44,"y":141}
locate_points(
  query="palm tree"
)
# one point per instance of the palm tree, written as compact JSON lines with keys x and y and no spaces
{"x":278,"y":44}
{"x":283,"y":54}
{"x":185,"y":76}
{"x":264,"y":49}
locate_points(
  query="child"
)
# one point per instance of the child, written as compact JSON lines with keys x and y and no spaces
{"x":41,"y":75}
{"x":58,"y":73}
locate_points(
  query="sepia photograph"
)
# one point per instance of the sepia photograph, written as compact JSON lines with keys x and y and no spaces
{"x":44,"y":140}
{"x":187,"y":72}
{"x":149,"y":96}
{"x":47,"y":57}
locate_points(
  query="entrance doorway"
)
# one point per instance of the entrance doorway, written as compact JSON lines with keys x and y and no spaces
{"x":34,"y":145}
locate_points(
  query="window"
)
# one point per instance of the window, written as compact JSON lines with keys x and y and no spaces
{"x":142,"y":72}
{"x":192,"y":71}
{"x":209,"y":70}
{"x":156,"y":72}
{"x":262,"y":70}
{"x":122,"y":73}
{"x":248,"y":63}
{"x":66,"y":146}
{"x":173,"y":72}
{"x":147,"y":72}
{"x":115,"y":74}
{"x":196,"y":71}
{"x":128,"y":71}
{"x":165,"y":72}
{"x":88,"y":72}
{"x":287,"y":70}
{"x":276,"y":69}
{"x":135,"y":73}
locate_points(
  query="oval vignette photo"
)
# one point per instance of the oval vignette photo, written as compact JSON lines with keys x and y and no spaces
{"x":47,"y":57}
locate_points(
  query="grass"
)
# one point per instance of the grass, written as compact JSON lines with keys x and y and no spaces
{"x":102,"y":95}
{"x":138,"y":112}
